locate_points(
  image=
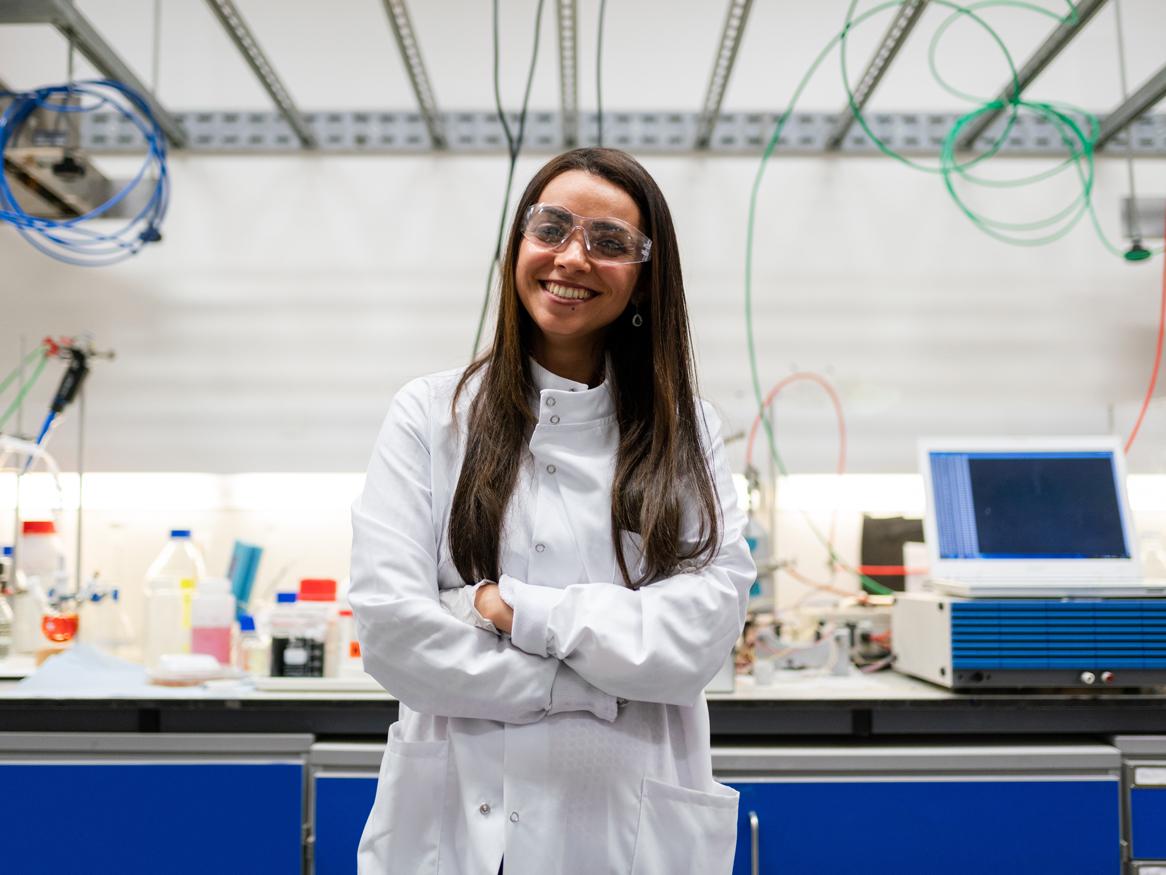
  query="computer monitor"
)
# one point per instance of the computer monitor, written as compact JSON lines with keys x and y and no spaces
{"x":1028,"y":512}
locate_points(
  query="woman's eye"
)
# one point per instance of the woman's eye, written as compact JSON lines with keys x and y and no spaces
{"x":549,"y":233}
{"x":613,"y":245}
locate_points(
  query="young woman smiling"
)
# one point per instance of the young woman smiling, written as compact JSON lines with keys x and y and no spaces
{"x":548,"y":564}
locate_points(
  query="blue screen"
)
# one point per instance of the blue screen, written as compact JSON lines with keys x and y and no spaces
{"x":1027,"y":506}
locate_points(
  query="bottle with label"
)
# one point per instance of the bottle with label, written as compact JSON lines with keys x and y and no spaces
{"x":42,"y":555}
{"x":297,"y":639}
{"x":181,"y":560}
{"x":212,"y":616}
{"x":252,"y":651}
{"x":350,"y":664}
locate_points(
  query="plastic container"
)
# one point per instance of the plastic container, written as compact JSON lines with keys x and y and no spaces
{"x":42,"y":553}
{"x":181,"y":560}
{"x":212,"y":616}
{"x":320,"y":593}
{"x":252,"y":650}
{"x":163,"y":631}
{"x":6,"y":618}
{"x":297,"y":638}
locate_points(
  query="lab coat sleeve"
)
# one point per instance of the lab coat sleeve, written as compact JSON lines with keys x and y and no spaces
{"x":429,"y":659}
{"x":661,"y":643}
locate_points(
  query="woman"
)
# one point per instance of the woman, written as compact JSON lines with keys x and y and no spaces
{"x":548,"y":564}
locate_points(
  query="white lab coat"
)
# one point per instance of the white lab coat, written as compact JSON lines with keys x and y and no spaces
{"x":580,"y":744}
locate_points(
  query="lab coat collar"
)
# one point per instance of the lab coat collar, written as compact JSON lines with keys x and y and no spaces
{"x":563,"y":401}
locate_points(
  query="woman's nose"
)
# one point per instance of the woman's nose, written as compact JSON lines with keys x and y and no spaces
{"x":574,"y":251}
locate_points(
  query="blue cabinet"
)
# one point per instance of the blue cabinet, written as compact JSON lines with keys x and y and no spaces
{"x":924,"y":826}
{"x":141,"y":818}
{"x":342,"y":803}
{"x":1148,"y":823}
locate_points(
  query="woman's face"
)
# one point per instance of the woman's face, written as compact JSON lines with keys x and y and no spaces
{"x":545,"y":278}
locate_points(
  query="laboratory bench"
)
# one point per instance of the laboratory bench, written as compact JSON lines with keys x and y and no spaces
{"x":880,"y":773}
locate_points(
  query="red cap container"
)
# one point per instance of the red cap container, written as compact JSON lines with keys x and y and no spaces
{"x":39,"y":527}
{"x":317,"y":589}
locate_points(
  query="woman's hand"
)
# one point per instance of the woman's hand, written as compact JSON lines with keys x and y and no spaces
{"x":490,"y":605}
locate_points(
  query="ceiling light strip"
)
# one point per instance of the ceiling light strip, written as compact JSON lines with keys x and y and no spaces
{"x":569,"y":71}
{"x":1053,"y":46}
{"x":735,"y":19}
{"x":411,"y":54}
{"x":901,"y":26}
{"x":240,"y":34}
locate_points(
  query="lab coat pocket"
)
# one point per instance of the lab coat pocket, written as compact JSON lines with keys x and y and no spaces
{"x":403,"y":832}
{"x":685,"y":830}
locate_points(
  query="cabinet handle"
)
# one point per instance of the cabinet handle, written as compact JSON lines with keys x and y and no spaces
{"x":754,"y":843}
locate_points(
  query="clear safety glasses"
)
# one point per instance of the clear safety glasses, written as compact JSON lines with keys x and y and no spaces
{"x":550,"y":227}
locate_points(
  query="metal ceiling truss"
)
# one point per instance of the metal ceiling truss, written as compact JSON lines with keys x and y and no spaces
{"x":240,"y":34}
{"x":479,"y":132}
{"x":411,"y":54}
{"x":77,"y":29}
{"x":1053,"y":46}
{"x":735,"y":20}
{"x":569,"y":71}
{"x":904,"y":21}
{"x":1138,"y":103}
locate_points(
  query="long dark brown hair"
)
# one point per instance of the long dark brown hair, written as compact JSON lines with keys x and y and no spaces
{"x":660,"y":466}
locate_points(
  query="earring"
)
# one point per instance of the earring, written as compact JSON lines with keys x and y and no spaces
{"x":637,"y":319}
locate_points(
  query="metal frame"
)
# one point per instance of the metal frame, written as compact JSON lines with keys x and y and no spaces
{"x":228,"y":15}
{"x":736,"y":16}
{"x":901,"y":26}
{"x":662,"y":133}
{"x":569,"y":71}
{"x":77,"y":29}
{"x":1138,"y":103}
{"x":411,"y":54}
{"x":1035,"y":65}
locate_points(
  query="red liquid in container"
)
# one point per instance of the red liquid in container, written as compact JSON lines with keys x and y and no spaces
{"x":59,"y":627}
{"x":212,"y":640}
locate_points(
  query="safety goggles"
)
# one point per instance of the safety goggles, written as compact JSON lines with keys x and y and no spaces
{"x":549,"y":226}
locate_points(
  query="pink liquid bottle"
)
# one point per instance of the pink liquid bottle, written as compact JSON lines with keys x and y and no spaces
{"x":212,"y":615}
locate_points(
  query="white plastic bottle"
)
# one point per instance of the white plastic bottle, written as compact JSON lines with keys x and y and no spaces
{"x":252,"y":650}
{"x":182,"y":560}
{"x":162,"y":628}
{"x":212,"y":616}
{"x":42,"y":554}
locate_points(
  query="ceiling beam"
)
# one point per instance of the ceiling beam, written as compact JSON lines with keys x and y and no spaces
{"x":1069,"y":27}
{"x":569,"y":71}
{"x":77,"y":29}
{"x":735,"y":19}
{"x":411,"y":54}
{"x":901,"y":25}
{"x":228,"y":15}
{"x":1138,"y":103}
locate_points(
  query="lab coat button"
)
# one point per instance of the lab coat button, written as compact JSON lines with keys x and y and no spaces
{"x":514,"y":817}
{"x":551,"y":402}
{"x":538,"y":548}
{"x":555,"y":419}
{"x":551,"y":469}
{"x":484,"y":809}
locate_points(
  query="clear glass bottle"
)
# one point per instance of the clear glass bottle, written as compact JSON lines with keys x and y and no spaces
{"x":252,"y":649}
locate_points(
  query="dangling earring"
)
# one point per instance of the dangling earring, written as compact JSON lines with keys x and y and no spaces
{"x":637,"y":319}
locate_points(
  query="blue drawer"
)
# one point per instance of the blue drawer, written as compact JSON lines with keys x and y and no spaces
{"x":888,"y":827}
{"x":146,"y":818}
{"x":342,"y":806}
{"x":1148,"y":823}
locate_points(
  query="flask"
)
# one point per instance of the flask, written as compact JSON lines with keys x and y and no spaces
{"x":212,"y":615}
{"x":252,"y":651}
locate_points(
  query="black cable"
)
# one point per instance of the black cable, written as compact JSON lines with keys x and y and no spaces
{"x":599,"y":72}
{"x":514,"y":146}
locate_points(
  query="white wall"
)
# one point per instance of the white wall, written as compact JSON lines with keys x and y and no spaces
{"x":292,"y":296}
